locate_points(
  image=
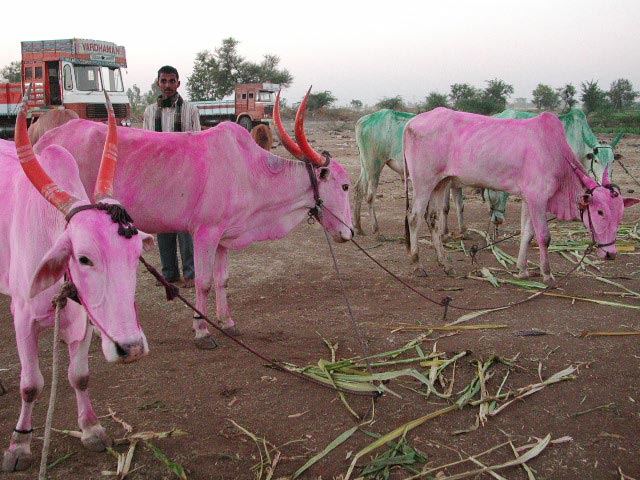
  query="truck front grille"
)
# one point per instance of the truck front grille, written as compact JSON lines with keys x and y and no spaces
{"x":99,"y":110}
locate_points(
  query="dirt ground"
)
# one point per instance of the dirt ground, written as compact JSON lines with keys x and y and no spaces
{"x":286,"y":299}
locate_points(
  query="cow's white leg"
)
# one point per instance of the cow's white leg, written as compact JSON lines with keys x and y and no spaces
{"x":414,"y":220}
{"x":538,"y":217}
{"x":435,"y":212}
{"x":221,"y":280}
{"x":94,"y":437}
{"x":205,"y":244}
{"x":526,"y":234}
{"x":357,"y":208}
{"x":458,"y":202}
{"x":18,"y":455}
{"x":372,"y":190}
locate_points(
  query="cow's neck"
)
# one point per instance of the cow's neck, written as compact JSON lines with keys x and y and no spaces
{"x":564,"y":203}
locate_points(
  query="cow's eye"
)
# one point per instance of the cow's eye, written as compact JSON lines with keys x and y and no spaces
{"x":85,"y":261}
{"x":601,"y":213}
{"x":345,"y":187}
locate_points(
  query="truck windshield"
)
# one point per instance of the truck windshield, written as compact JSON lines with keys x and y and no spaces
{"x":92,"y":78}
{"x":265,"y":96}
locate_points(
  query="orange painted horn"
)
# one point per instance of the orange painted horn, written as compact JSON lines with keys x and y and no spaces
{"x":104,"y":183}
{"x":32,"y":168}
{"x":284,"y":137}
{"x":310,"y":154}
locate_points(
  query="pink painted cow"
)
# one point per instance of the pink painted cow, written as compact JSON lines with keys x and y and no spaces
{"x":48,"y":121}
{"x":60,"y":232}
{"x":530,"y":158}
{"x":219,"y":186}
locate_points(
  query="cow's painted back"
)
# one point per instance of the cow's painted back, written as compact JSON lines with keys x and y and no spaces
{"x":179,"y":181}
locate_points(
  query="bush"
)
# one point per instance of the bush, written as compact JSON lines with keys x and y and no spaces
{"x":610,"y":121}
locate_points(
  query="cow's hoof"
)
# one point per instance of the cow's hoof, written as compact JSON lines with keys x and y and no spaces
{"x":16,"y":460}
{"x":549,"y":281}
{"x":233,"y":330}
{"x":522,"y":275}
{"x":95,"y":439}
{"x":205,"y":343}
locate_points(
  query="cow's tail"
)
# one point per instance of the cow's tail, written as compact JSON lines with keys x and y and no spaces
{"x":407,"y":233}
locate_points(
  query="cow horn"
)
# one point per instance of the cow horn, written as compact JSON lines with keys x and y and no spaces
{"x":104,"y":183}
{"x":32,"y":168}
{"x":310,"y":154}
{"x":587,"y":141}
{"x":284,"y":137}
{"x":605,"y":176}
{"x":617,"y":139}
{"x":586,"y":180}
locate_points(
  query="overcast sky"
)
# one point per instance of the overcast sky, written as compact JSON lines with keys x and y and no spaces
{"x":364,"y":50}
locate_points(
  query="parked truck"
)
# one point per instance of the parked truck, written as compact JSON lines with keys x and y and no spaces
{"x":252,"y":104}
{"x":67,"y":73}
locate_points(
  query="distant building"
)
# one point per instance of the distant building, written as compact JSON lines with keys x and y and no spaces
{"x":520,"y":104}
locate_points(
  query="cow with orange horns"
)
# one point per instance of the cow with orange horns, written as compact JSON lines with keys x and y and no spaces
{"x":219,"y":186}
{"x":54,"y":230}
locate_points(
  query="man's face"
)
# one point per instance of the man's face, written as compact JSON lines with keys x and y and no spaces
{"x":168,"y":84}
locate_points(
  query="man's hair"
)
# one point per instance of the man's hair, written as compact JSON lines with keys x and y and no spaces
{"x":168,"y":70}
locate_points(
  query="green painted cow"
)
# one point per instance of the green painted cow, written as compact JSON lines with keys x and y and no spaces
{"x":379,"y":139}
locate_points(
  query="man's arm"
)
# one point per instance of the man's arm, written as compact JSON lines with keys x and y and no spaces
{"x":194,"y":121}
{"x":147,"y":120}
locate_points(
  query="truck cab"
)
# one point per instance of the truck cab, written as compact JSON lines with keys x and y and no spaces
{"x":69,"y":74}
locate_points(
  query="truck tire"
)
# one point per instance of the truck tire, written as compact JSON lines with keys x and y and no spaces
{"x":246,"y":123}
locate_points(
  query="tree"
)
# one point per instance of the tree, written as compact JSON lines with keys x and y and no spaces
{"x":621,"y":94}
{"x":216,"y":74}
{"x":12,"y":73}
{"x":497,"y":93}
{"x":435,"y":100}
{"x":356,"y":104}
{"x":593,"y":98}
{"x":461,"y":92}
{"x":139,"y":102}
{"x":320,"y":100}
{"x":393,"y":103}
{"x":545,"y":97}
{"x":567,"y":97}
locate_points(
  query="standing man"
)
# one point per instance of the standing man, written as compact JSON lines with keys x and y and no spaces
{"x":172,"y":114}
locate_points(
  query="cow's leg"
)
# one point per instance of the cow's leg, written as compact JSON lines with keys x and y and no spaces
{"x":357,"y":208}
{"x":458,"y":202}
{"x":205,"y":243}
{"x":435,"y":212}
{"x":18,"y":455}
{"x":414,"y":221}
{"x":526,"y":234}
{"x":94,"y":437}
{"x":221,"y":280}
{"x":537,"y":212}
{"x":443,"y":210}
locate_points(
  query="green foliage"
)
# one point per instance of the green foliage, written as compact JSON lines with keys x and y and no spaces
{"x":461,"y":92}
{"x":609,"y":121}
{"x":216,"y":74}
{"x":356,"y":104}
{"x":392,"y":103}
{"x":435,"y":100}
{"x":492,"y":99}
{"x":497,"y":92}
{"x":593,"y":98}
{"x":545,"y":97}
{"x":567,"y":97}
{"x":621,"y":94}
{"x":320,"y":100}
{"x":12,"y":73}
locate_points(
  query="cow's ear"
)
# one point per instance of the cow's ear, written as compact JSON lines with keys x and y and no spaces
{"x":324,"y":173}
{"x":147,"y":241}
{"x":52,"y":266}
{"x":630,"y":201}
